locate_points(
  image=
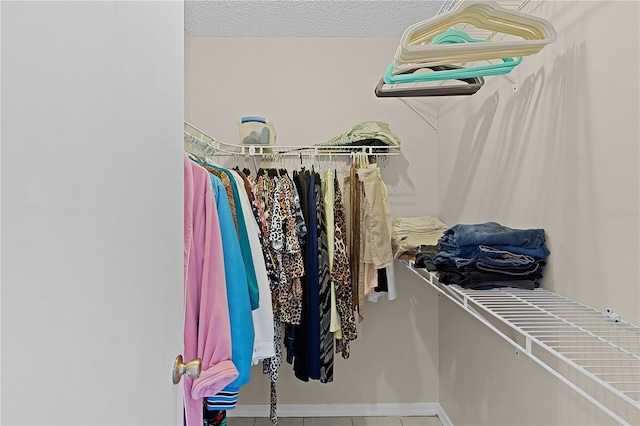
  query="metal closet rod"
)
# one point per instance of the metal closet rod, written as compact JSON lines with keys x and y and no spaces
{"x":222,"y":148}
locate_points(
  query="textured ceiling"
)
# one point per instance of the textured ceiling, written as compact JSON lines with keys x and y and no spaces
{"x":305,"y":18}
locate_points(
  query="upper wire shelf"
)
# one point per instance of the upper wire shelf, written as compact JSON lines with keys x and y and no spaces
{"x":199,"y":143}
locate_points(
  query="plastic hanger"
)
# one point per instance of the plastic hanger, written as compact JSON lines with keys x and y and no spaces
{"x":456,"y":73}
{"x":454,"y":36}
{"x":535,"y":33}
{"x":461,"y":87}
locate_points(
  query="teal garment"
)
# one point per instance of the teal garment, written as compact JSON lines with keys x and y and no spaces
{"x":240,"y":317}
{"x":245,"y":248}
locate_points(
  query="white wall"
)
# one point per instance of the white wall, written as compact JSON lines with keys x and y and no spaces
{"x":92,"y":271}
{"x":559,"y":153}
{"x":314,"y":89}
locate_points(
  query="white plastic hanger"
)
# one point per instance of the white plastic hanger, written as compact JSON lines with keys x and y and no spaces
{"x":535,"y":33}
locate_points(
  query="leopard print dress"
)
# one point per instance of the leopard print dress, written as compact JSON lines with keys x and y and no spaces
{"x":341,"y":276}
{"x":276,"y":198}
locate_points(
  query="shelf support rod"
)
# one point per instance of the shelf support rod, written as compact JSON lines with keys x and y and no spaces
{"x":419,"y":114}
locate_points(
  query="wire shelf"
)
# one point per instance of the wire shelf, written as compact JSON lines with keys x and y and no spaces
{"x":600,"y":346}
{"x":200,"y":144}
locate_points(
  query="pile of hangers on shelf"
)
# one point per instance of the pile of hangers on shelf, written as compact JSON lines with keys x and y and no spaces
{"x":436,"y":50}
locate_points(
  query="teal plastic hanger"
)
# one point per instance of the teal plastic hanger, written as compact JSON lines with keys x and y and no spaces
{"x":401,"y":90}
{"x":451,"y":36}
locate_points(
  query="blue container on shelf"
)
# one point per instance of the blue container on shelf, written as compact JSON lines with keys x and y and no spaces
{"x":254,"y":130}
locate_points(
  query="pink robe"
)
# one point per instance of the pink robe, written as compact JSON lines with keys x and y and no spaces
{"x":207,"y":333}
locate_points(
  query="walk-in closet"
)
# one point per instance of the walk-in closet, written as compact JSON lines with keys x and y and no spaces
{"x":150,"y":149}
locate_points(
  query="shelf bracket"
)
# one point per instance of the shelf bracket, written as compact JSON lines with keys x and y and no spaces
{"x":420,"y":114}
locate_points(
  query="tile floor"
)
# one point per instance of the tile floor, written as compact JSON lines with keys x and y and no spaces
{"x":336,"y":421}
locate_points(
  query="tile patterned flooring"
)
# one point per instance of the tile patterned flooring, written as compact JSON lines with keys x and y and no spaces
{"x":336,"y":421}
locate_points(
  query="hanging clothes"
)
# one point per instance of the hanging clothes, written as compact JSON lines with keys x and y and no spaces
{"x":307,"y":359}
{"x":354,"y":210}
{"x":240,"y":316}
{"x":369,"y":234}
{"x":254,"y":265}
{"x":245,"y":247}
{"x":207,"y":331}
{"x":284,"y":230}
{"x":263,"y":347}
{"x":377,"y":218}
{"x":341,"y":277}
{"x":258,"y":214}
{"x":276,"y":197}
{"x":324,"y":288}
{"x":297,"y":336}
{"x":377,"y":232}
{"x":329,"y":193}
{"x":290,"y":265}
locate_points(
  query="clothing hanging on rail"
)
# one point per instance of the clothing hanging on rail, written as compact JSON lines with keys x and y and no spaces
{"x":353,"y":209}
{"x":329,"y":194}
{"x":207,"y":331}
{"x":263,"y":348}
{"x":254,"y":264}
{"x":241,"y":322}
{"x":252,"y":332}
{"x":326,"y":335}
{"x":313,"y":345}
{"x":284,"y":230}
{"x":289,"y":256}
{"x":369,"y":234}
{"x":233,"y":194}
{"x":378,"y":256}
{"x":341,"y":277}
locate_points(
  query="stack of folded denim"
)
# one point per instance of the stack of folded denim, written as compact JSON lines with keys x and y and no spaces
{"x":490,"y":255}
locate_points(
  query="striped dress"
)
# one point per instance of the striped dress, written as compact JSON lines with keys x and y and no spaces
{"x":326,"y":335}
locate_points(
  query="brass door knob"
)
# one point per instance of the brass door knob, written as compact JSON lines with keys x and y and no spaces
{"x":191,"y":369}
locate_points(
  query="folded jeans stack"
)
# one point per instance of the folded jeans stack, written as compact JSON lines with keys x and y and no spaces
{"x":489,"y":255}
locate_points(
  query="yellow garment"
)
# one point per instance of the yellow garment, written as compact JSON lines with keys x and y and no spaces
{"x":329,"y":194}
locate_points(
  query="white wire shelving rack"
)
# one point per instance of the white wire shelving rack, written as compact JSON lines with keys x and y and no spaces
{"x":199,"y":143}
{"x":597,"y":354}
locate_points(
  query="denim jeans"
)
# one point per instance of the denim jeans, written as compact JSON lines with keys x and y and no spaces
{"x":491,"y":256}
{"x":471,"y":277}
{"x":491,"y":234}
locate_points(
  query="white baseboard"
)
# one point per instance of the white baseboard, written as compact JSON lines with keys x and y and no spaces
{"x":442,"y":416}
{"x":344,"y":410}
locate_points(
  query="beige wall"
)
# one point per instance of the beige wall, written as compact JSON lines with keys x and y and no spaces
{"x":560,"y":153}
{"x":312,"y":89}
{"x":394,"y":359}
